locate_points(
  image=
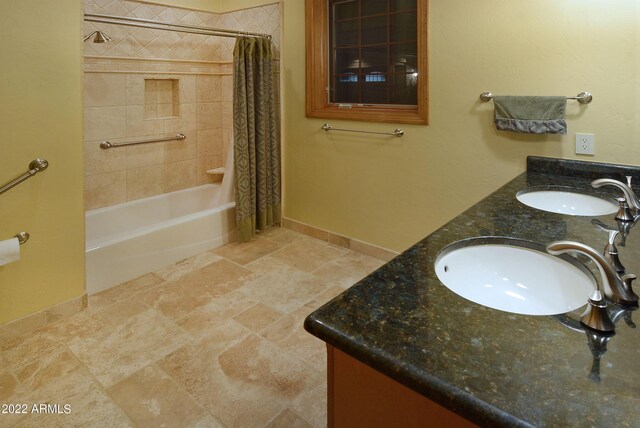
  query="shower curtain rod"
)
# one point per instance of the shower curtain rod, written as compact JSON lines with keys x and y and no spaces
{"x":158,"y":25}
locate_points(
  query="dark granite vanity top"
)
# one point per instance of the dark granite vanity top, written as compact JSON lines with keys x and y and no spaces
{"x":492,"y":367}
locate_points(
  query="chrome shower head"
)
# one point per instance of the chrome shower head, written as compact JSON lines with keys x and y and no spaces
{"x":99,"y":38}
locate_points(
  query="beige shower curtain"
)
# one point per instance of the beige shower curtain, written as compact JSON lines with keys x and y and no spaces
{"x":256,"y":137}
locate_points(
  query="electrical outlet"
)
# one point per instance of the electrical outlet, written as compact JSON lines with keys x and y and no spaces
{"x":585,"y":144}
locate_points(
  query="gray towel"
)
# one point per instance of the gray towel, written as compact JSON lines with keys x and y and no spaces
{"x":530,"y":115}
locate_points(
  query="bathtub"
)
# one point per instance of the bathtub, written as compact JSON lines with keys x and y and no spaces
{"x":130,"y":239}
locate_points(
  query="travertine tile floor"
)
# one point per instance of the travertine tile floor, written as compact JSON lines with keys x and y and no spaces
{"x":213,"y":341}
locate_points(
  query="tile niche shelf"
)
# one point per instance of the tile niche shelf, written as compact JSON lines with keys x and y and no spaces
{"x":161,"y":98}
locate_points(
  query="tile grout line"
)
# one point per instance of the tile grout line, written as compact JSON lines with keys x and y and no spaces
{"x":183,"y":389}
{"x":99,"y":385}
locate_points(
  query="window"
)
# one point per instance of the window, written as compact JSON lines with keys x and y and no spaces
{"x":367,"y":60}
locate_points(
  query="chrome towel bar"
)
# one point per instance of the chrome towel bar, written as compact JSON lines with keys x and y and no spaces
{"x":108,"y":145}
{"x":22,"y":237}
{"x":582,"y":97}
{"x":35,"y":166}
{"x":397,"y":132}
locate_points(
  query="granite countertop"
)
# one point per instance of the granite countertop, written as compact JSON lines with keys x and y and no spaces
{"x":492,"y":367}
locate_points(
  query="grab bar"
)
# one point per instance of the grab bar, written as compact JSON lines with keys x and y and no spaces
{"x":22,"y":237}
{"x":35,"y":166}
{"x":397,"y":132}
{"x":108,"y":145}
{"x":582,"y":97}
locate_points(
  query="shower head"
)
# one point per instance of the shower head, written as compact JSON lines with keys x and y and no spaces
{"x":99,"y":38}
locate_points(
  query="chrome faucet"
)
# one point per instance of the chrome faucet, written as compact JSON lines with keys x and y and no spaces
{"x":611,"y":285}
{"x":615,"y":287}
{"x":629,"y":195}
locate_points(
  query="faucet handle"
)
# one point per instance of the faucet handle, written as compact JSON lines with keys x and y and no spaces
{"x":596,"y":316}
{"x":624,"y":212}
{"x":611,"y":252}
{"x":626,"y":283}
{"x":628,"y":279}
{"x":629,"y":177}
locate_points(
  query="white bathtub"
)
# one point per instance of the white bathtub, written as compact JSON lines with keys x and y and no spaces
{"x":128,"y":240}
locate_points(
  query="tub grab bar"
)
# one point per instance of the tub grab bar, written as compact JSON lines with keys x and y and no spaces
{"x":108,"y":145}
{"x":397,"y":132}
{"x":582,"y":97}
{"x":35,"y":166}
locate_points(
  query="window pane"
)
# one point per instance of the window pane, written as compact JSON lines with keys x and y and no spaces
{"x":345,"y":9}
{"x":346,"y":33}
{"x":374,"y":30}
{"x":375,"y":92}
{"x":346,"y":92}
{"x":403,"y":26}
{"x":399,"y":5}
{"x":405,"y":54}
{"x":372,"y":7}
{"x":347,"y":61}
{"x":404,"y":88}
{"x":374,"y":59}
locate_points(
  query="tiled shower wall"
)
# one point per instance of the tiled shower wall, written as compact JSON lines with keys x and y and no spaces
{"x":147,"y":83}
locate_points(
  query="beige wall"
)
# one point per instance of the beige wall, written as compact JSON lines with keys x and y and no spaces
{"x":230,"y":5}
{"x":392,"y":192}
{"x":41,"y":116}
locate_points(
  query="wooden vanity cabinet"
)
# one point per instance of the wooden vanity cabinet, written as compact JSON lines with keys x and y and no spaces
{"x":359,"y":396}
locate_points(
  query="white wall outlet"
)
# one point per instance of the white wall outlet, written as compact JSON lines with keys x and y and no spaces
{"x":585,"y":144}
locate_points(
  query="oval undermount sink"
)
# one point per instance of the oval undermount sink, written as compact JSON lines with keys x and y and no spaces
{"x":514,"y":276}
{"x":566,"y":202}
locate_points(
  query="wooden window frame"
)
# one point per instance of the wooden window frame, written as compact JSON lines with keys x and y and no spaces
{"x":317,"y":74}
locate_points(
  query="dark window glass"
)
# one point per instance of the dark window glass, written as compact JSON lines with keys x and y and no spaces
{"x":403,"y":27}
{"x":346,"y":9}
{"x":373,"y":7}
{"x":347,"y":61}
{"x":347,"y":33}
{"x":374,"y":59}
{"x":374,"y":51}
{"x":374,"y":30}
{"x":405,"y":54}
{"x":399,"y":5}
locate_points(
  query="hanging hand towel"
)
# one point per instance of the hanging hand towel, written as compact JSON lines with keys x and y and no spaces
{"x":530,"y":115}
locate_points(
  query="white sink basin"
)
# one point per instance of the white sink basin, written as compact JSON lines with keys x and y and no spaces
{"x":565,"y":202}
{"x":502,"y":274}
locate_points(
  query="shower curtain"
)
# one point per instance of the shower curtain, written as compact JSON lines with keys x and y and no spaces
{"x":256,"y":137}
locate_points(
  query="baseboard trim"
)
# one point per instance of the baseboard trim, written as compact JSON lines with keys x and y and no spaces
{"x":13,"y":329}
{"x":340,"y":240}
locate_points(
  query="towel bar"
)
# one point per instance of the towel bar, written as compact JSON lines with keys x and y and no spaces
{"x":397,"y":132}
{"x":582,"y":97}
{"x":108,"y":145}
